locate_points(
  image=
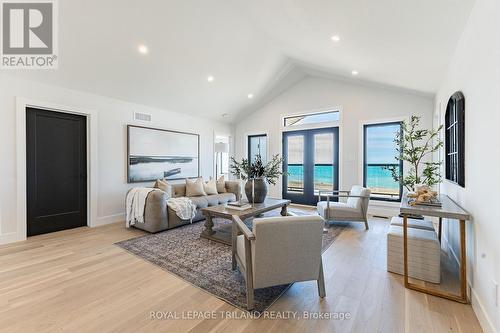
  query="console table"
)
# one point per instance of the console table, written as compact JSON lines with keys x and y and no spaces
{"x":449,"y":210}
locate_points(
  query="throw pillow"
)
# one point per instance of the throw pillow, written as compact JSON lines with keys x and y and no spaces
{"x":194,"y":188}
{"x":210,"y":187}
{"x":221,"y":185}
{"x":165,"y":186}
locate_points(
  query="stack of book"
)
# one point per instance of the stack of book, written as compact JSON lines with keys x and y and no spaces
{"x":239,"y":205}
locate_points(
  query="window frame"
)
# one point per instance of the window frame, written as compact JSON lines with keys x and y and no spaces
{"x":454,"y":144}
{"x":249,"y":146}
{"x":378,"y":124}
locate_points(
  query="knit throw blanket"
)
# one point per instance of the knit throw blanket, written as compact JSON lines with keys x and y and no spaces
{"x":135,"y":203}
{"x":183,"y":207}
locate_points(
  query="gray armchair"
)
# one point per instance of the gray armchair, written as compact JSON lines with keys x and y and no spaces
{"x":280,"y":250}
{"x":355,"y":209}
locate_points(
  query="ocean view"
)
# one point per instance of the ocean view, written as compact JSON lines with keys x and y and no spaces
{"x":378,"y":179}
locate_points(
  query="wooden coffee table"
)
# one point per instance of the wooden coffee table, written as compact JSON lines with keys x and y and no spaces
{"x":223,"y":233}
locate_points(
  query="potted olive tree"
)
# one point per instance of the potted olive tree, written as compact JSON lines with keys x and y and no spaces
{"x":414,"y":145}
{"x":257,"y":175}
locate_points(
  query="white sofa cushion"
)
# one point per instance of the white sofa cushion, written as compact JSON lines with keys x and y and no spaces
{"x":210,"y":187}
{"x":194,"y":188}
{"x":165,"y":186}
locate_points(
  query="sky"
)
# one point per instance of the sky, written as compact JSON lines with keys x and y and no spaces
{"x":380,"y":147}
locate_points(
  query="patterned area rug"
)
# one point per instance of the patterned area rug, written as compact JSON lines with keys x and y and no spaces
{"x":207,"y":264}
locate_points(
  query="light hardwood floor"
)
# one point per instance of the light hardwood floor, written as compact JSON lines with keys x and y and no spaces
{"x":78,"y":281}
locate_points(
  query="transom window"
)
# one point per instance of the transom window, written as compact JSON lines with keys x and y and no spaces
{"x":455,"y":139}
{"x":379,"y":153}
{"x":312,"y":118}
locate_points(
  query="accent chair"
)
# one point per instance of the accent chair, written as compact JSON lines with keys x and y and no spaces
{"x":354,"y":209}
{"x":280,"y":250}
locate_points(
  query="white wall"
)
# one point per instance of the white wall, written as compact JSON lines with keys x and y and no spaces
{"x":475,"y":71}
{"x":113,"y":116}
{"x":359,"y":103}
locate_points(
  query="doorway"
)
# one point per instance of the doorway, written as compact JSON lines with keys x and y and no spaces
{"x":310,"y":164}
{"x":56,"y":171}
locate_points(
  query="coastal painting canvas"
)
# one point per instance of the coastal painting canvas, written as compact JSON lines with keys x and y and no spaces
{"x":156,"y":153}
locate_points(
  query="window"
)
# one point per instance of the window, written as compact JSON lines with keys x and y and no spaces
{"x":257,"y":145}
{"x":455,"y":139}
{"x":379,"y":153}
{"x":312,"y":118}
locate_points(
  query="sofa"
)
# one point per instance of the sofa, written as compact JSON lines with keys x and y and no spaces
{"x":158,"y":217}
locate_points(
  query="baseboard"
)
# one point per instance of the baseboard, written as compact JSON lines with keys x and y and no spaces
{"x":477,"y":305}
{"x":7,"y":238}
{"x":103,"y":220}
{"x":482,"y":316}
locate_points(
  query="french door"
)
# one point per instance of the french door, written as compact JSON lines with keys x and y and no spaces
{"x":310,"y":164}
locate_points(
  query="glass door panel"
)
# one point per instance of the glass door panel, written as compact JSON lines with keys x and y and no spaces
{"x":311,"y":163}
{"x":323,"y":162}
{"x":295,"y":158}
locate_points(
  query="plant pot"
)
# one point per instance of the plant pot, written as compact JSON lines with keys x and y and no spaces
{"x":259,"y":189}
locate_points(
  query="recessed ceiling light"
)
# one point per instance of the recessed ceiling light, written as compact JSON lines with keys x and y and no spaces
{"x":250,"y":96}
{"x":336,"y":38}
{"x":210,"y":78}
{"x":354,"y":72}
{"x":143,"y":49}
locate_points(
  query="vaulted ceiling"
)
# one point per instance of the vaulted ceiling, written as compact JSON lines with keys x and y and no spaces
{"x":248,"y":47}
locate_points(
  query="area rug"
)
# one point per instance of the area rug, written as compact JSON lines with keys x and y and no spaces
{"x":207,"y":264}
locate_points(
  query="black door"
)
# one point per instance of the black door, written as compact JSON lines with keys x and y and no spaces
{"x":311,"y":161}
{"x":56,"y":167}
